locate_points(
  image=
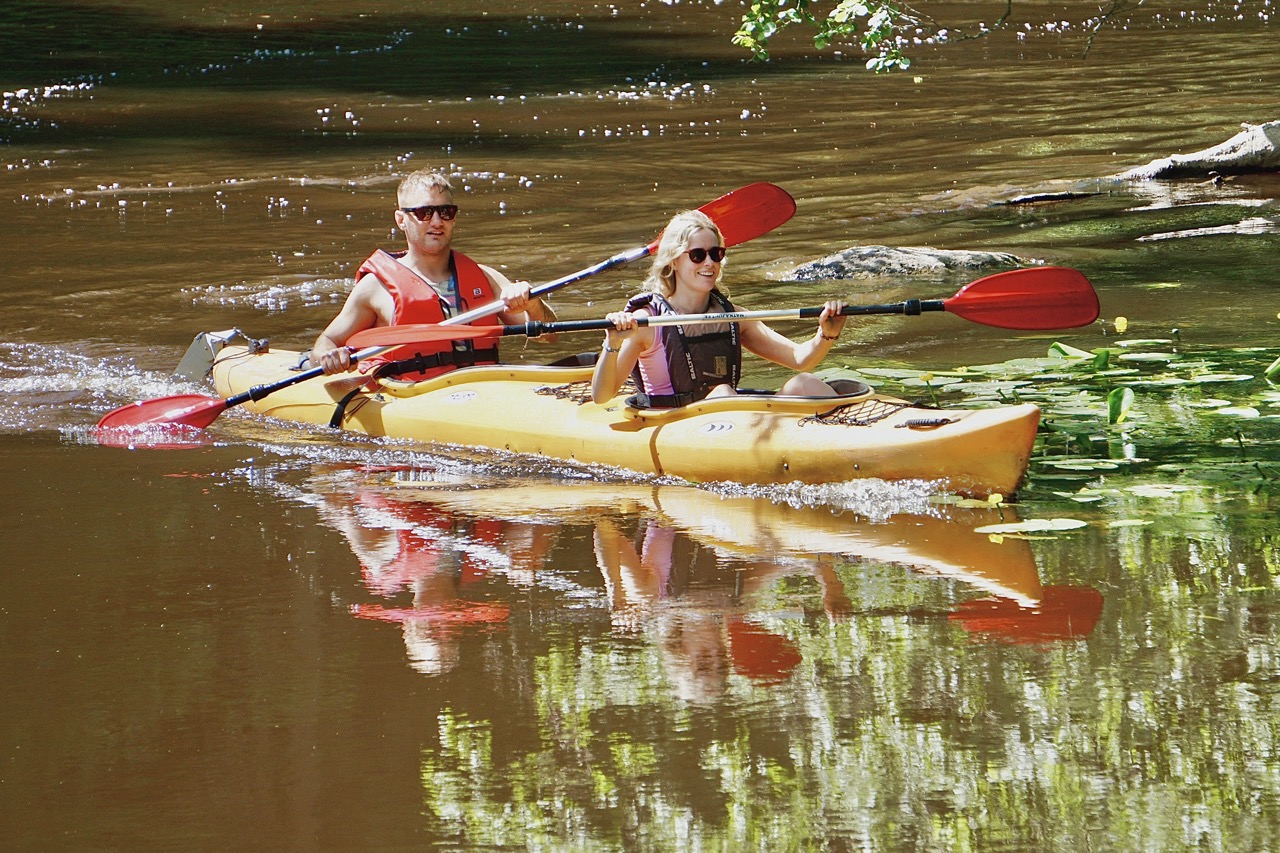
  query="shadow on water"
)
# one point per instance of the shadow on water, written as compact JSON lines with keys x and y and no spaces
{"x":421,"y":55}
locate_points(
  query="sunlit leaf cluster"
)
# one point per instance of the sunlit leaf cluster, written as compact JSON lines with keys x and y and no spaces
{"x":884,"y":30}
{"x":877,"y":27}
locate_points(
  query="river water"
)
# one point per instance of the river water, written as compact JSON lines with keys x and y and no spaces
{"x":300,"y":640}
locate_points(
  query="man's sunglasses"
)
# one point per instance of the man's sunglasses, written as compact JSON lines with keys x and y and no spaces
{"x":424,"y":212}
{"x":716,"y":254}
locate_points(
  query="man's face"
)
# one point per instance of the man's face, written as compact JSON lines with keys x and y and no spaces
{"x":435,"y":233}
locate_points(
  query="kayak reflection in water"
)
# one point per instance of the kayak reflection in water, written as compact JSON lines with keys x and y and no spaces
{"x":698,"y":574}
{"x":695,"y":603}
{"x":677,"y":368}
{"x":426,"y":283}
{"x":408,"y":546}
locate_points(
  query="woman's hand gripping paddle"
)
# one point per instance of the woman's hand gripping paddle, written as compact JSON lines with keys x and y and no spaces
{"x":741,"y":215}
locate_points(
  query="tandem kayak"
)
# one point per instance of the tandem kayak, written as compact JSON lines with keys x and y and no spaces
{"x":748,"y":438}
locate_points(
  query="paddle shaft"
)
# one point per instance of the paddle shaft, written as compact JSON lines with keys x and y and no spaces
{"x":257,"y":392}
{"x":619,"y":260}
{"x":910,"y":307}
{"x":1032,"y":299}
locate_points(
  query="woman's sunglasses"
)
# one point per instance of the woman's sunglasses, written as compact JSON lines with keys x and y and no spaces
{"x":424,"y":212}
{"x":716,"y":253}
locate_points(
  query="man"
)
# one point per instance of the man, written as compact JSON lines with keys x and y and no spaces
{"x":426,"y":283}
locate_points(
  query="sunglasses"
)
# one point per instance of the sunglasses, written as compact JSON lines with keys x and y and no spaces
{"x":716,"y":253}
{"x":424,"y":212}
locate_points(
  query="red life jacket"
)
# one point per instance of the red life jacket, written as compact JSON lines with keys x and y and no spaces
{"x":416,"y":301}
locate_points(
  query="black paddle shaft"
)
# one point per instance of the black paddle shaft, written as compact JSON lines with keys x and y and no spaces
{"x":534,"y":328}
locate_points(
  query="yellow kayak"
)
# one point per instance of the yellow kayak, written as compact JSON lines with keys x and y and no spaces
{"x":749,"y":438}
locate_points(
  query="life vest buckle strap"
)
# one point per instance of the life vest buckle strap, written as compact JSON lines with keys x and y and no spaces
{"x":422,"y":363}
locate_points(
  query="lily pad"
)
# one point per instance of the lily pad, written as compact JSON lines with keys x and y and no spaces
{"x":1148,"y":356}
{"x":1222,"y":377}
{"x":1161,"y":490}
{"x":1066,"y":351}
{"x":1144,"y":342}
{"x":934,"y":382}
{"x":1035,"y":525}
{"x":1084,"y":464}
{"x":891,"y":372}
{"x":1159,"y":382}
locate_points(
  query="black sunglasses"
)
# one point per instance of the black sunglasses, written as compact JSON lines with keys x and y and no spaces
{"x":699,"y":255}
{"x":424,"y":212}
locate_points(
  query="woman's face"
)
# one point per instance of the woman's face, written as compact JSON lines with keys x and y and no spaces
{"x":698,"y":275}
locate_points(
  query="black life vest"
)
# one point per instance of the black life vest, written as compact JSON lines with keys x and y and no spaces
{"x":697,"y":361}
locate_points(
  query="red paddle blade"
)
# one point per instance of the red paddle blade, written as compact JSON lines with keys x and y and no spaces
{"x":1034,"y":298}
{"x":746,"y":213}
{"x":750,"y":211}
{"x":419,"y":333}
{"x":187,"y":410}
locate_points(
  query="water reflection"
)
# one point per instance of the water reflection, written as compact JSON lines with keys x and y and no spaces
{"x":439,"y":559}
{"x":718,"y":586}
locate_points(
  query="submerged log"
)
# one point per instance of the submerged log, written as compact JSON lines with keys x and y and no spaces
{"x":1254,"y":149}
{"x":875,"y":261}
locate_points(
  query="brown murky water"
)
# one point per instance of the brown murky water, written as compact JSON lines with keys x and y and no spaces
{"x":296,"y":640}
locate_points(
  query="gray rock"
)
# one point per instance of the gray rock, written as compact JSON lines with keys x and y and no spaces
{"x":1254,"y":149}
{"x":877,"y":261}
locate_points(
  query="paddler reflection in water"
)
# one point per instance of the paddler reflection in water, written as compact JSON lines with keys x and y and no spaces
{"x":694,"y":603}
{"x":677,"y":365}
{"x":426,"y":283}
{"x":441,"y":560}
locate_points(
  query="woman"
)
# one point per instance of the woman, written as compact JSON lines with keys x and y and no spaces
{"x":677,"y":365}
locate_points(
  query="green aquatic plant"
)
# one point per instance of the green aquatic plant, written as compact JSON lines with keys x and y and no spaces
{"x":1119,"y":402}
{"x":1272,"y":371}
{"x":1135,"y":406}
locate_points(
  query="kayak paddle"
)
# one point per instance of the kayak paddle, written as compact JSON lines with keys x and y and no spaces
{"x":741,"y":215}
{"x":1036,"y":298}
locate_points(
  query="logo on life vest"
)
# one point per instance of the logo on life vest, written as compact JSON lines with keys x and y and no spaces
{"x":477,"y":291}
{"x":722,"y":365}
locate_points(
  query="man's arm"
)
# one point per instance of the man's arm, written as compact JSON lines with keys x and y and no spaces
{"x":362,"y":310}
{"x":521,"y":307}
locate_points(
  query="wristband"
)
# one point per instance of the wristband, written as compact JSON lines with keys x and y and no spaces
{"x":828,"y":337}
{"x":608,"y":348}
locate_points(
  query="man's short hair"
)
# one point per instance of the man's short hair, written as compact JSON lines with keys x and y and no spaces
{"x":423,"y":179}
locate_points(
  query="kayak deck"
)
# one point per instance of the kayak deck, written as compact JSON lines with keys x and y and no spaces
{"x":749,"y":438}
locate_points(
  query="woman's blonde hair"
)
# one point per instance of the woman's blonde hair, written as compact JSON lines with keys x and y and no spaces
{"x":674,"y":242}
